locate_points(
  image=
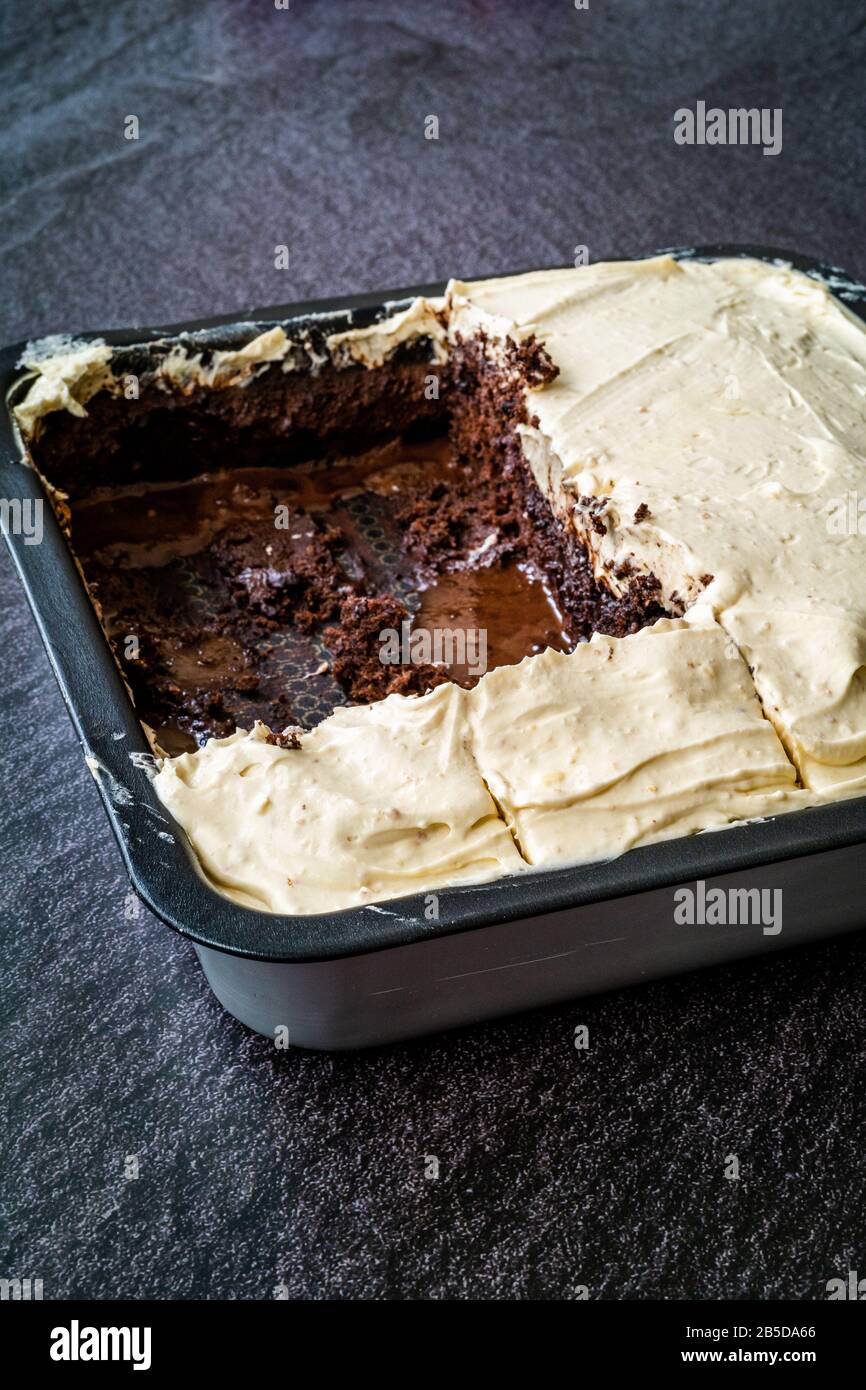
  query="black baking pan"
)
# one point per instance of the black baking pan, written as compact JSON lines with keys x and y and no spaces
{"x":372,"y":974}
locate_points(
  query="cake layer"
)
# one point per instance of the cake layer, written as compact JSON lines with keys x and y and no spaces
{"x":707,"y":424}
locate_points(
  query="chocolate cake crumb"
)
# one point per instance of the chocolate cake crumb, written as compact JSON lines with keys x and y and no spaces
{"x":286,"y":576}
{"x":356,"y":646}
{"x":289,"y":738}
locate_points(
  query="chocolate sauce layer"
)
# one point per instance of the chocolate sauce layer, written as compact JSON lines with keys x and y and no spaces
{"x":278,"y":593}
{"x":502,"y":613}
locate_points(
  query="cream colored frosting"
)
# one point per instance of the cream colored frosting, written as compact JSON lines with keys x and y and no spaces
{"x":627,"y":741}
{"x":227,"y":367}
{"x":379,"y":801}
{"x":618,"y":744}
{"x":718,"y":415}
{"x":374,"y":345}
{"x":62,"y":380}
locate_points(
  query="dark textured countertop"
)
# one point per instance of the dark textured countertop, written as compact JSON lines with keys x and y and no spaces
{"x":261,"y":127}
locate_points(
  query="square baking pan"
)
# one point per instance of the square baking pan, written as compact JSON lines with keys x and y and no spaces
{"x":380,"y":972}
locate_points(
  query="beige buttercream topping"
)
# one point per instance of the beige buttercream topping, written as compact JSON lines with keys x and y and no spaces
{"x":709,"y":423}
{"x":618,"y":744}
{"x":626,"y":741}
{"x":377,"y":802}
{"x":63,"y":381}
{"x":373,"y":345}
{"x":226,"y":367}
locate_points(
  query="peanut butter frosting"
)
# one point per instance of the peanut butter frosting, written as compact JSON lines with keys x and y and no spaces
{"x":708,"y":424}
{"x":377,"y":801}
{"x":625,"y":741}
{"x":558,"y":760}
